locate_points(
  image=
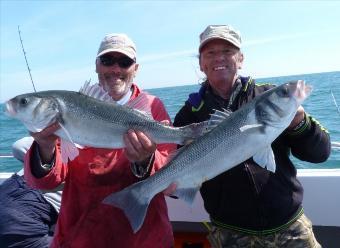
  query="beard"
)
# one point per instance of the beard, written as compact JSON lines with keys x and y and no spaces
{"x":116,"y":87}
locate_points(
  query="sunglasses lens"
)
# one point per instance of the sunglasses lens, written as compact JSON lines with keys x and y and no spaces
{"x":106,"y":60}
{"x":123,"y":62}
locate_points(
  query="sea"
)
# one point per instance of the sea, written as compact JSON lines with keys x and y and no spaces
{"x":323,"y":105}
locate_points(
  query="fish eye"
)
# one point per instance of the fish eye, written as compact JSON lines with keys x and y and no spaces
{"x":263,"y":114}
{"x":23,"y":101}
{"x":284,"y":91}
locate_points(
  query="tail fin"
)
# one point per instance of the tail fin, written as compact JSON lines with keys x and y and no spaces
{"x":193,"y":131}
{"x":133,"y":202}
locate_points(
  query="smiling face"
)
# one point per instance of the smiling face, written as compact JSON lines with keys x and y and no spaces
{"x":116,"y":80}
{"x":220,"y":61}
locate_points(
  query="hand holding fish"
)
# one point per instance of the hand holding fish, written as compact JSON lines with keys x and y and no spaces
{"x":299,"y":117}
{"x":46,"y":140}
{"x":170,"y":190}
{"x":139,"y":147}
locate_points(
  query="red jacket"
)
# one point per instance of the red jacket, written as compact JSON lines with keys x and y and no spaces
{"x":96,"y":173}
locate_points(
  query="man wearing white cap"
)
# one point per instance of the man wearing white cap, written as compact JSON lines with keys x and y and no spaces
{"x":248,"y":205}
{"x":84,"y":221}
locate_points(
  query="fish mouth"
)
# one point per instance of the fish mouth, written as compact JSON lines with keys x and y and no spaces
{"x":9,"y":110}
{"x":302,"y":90}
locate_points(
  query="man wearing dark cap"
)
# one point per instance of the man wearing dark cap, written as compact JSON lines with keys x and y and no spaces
{"x":84,"y":221}
{"x":250,"y":206}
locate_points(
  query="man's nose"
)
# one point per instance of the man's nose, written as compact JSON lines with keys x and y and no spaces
{"x":220,"y":56}
{"x":115,"y":68}
{"x":107,"y":69}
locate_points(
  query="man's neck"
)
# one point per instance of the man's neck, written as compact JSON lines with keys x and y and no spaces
{"x":224,"y":88}
{"x":125,"y":98}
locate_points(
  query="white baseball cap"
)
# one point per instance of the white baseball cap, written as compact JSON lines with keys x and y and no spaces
{"x":117,"y":43}
{"x":223,"y":32}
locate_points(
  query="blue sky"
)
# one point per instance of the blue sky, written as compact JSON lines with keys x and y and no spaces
{"x":61,"y":39}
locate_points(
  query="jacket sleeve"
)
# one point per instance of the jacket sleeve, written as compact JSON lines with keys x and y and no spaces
{"x":53,"y":179}
{"x":184,"y":116}
{"x":311,"y":142}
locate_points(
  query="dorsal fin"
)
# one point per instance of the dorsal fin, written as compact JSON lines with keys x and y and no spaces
{"x":141,"y":103}
{"x":95,"y":91}
{"x":217,"y":117}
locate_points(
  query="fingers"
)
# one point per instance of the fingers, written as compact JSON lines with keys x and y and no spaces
{"x":48,"y":131}
{"x":170,"y":189}
{"x":166,"y":122}
{"x":300,"y":109}
{"x":46,"y":140}
{"x":138,"y":146}
{"x":46,"y":137}
{"x":298,"y":118}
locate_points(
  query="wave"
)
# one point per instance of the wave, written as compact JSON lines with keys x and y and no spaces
{"x":335,"y":145}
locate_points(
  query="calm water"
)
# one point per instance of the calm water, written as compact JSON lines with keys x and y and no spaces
{"x":320,"y":105}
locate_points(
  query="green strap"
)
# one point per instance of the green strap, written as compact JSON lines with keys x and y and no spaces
{"x":193,"y":109}
{"x":253,"y":232}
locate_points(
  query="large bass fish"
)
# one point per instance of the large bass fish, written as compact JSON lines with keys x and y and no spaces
{"x":91,"y":118}
{"x":234,"y":138}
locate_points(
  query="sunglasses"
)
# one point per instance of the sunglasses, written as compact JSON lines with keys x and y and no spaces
{"x":123,"y":62}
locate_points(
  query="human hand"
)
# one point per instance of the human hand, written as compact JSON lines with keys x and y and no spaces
{"x":139,"y":147}
{"x":170,"y":189}
{"x":46,"y":140}
{"x":299,"y":116}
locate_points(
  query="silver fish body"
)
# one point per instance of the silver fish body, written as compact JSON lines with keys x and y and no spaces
{"x":88,"y":121}
{"x":237,"y":136}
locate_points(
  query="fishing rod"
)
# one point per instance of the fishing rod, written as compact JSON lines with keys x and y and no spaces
{"x":337,"y":107}
{"x":23,"y":50}
{"x":29,"y":71}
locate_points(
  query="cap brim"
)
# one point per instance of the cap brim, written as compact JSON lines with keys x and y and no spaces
{"x":218,"y":38}
{"x":122,"y":51}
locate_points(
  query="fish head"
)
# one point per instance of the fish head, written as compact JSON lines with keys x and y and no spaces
{"x":277,"y":107}
{"x":35,"y":111}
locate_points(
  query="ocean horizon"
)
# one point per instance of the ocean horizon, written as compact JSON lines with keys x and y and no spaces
{"x":320,"y":104}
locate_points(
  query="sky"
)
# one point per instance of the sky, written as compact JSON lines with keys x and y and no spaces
{"x":61,"y":39}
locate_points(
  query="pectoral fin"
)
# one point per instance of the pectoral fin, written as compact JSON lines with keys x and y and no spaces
{"x":266,"y":159}
{"x":68,"y":151}
{"x":68,"y":147}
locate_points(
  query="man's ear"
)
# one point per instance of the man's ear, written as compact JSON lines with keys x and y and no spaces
{"x":96,"y":62}
{"x":240,"y":60}
{"x":136,"y":69}
{"x":199,"y":61}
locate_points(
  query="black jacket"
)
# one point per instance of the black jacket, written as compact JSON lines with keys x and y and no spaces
{"x":247,"y":196}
